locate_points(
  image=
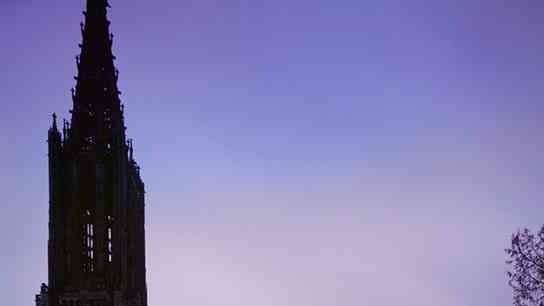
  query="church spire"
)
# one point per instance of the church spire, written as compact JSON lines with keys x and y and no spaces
{"x":97,"y":4}
{"x":96,"y":244}
{"x":97,"y":114}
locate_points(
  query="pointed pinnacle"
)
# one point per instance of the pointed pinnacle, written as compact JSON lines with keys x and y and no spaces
{"x":54,"y":121}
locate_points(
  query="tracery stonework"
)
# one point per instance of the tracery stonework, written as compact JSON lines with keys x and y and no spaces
{"x":96,"y":247}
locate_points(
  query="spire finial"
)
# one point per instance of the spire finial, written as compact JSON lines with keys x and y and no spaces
{"x":97,"y":4}
{"x":54,"y":121}
{"x":64,"y":128}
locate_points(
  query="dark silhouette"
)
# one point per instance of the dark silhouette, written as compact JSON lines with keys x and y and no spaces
{"x":527,"y":261}
{"x":96,"y":245}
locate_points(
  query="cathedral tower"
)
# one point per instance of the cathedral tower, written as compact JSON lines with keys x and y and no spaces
{"x":96,"y":247}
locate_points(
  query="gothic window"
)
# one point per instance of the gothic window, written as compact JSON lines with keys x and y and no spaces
{"x":88,"y":142}
{"x":107,"y":117}
{"x":109,"y":244}
{"x":109,"y":252}
{"x":88,"y":242}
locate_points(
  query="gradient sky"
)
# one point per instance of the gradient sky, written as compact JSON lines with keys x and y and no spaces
{"x":296,"y":152}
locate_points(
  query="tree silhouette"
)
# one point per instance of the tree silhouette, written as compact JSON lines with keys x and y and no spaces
{"x":526,"y":276}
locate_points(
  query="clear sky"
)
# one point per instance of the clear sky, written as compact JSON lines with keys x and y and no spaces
{"x":296,"y":152}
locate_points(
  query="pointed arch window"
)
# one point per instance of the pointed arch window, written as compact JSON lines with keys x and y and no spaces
{"x":109,"y":250}
{"x":88,"y":242}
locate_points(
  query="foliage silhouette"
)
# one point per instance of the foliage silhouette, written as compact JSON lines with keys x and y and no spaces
{"x":526,"y":276}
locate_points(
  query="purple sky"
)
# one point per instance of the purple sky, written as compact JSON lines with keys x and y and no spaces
{"x":308,"y":153}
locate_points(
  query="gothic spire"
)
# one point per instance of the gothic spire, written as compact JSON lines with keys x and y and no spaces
{"x":96,"y":243}
{"x":97,"y":113}
{"x":97,"y":4}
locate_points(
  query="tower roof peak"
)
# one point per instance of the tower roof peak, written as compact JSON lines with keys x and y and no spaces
{"x":96,"y":112}
{"x":93,"y":4}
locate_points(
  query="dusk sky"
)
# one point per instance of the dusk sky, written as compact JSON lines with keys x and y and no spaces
{"x":295,"y":152}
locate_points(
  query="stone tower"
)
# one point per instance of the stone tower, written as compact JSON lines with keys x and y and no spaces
{"x":96,"y":247}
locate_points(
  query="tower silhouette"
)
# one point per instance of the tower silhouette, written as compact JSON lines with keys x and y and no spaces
{"x":96,"y":246}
